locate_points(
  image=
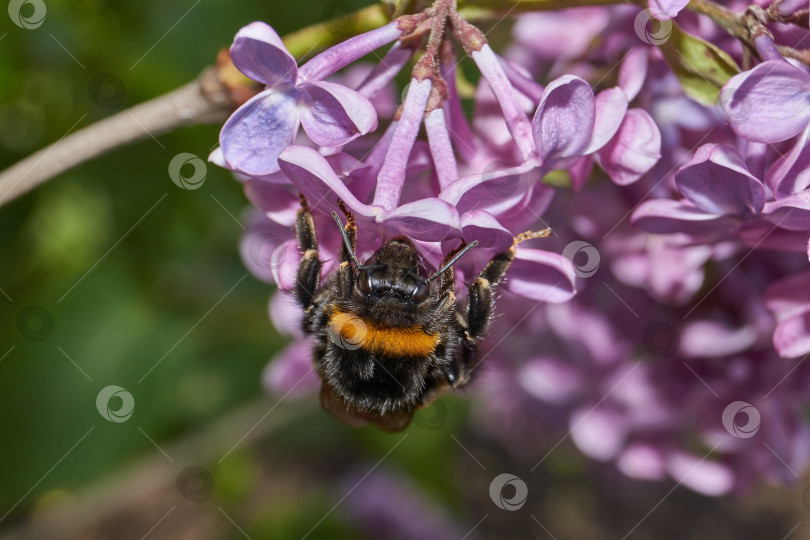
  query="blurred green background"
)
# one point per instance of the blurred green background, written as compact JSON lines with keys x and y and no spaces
{"x":111,"y":268}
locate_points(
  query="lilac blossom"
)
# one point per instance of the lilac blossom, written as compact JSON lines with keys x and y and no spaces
{"x":332,"y":114}
{"x":701,"y":222}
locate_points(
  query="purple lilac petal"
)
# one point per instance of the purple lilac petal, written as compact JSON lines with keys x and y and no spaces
{"x":575,"y":322}
{"x":610,"y":106}
{"x":311,"y":173}
{"x":277,"y":202}
{"x":258,"y":246}
{"x":392,"y":174}
{"x":456,"y":120}
{"x":542,"y":275}
{"x":259,"y":53}
{"x":580,"y":171}
{"x":482,"y":226}
{"x":791,"y":213}
{"x":346,"y":52}
{"x":286,"y":314}
{"x":664,"y":10}
{"x":717,"y":181}
{"x":385,"y":71}
{"x":390,"y":505}
{"x":548,"y":34}
{"x":642,"y":461}
{"x":522,"y":80}
{"x":789,"y":301}
{"x":762,"y":234}
{"x":526,"y":212}
{"x":664,"y":216}
{"x":564,"y":120}
{"x":441,"y":149}
{"x":634,"y":150}
{"x":290,"y":373}
{"x":496,"y":191}
{"x":284,"y":264}
{"x":550,"y":380}
{"x":792,"y":336}
{"x":345,"y":164}
{"x":675,"y":274}
{"x":769,"y":103}
{"x":789,"y":7}
{"x":429,"y":220}
{"x":790,"y":173}
{"x":217,"y":158}
{"x":789,"y":297}
{"x":701,"y":475}
{"x":599,"y":431}
{"x":490,"y":126}
{"x":707,"y":338}
{"x":336,"y":114}
{"x":633,"y":71}
{"x":766,"y":48}
{"x":254,"y":135}
{"x":516,"y":120}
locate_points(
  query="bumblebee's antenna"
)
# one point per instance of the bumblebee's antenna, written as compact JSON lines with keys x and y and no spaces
{"x":349,"y":246}
{"x":453,"y":261}
{"x":345,"y":239}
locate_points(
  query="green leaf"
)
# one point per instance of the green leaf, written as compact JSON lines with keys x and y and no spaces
{"x":701,"y":67}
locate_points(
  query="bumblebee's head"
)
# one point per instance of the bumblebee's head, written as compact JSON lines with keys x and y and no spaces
{"x":394,"y":271}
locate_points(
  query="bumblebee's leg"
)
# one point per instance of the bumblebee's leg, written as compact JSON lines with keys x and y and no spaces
{"x":345,"y":277}
{"x":351,"y":233}
{"x":309,"y":269}
{"x":481,"y":300}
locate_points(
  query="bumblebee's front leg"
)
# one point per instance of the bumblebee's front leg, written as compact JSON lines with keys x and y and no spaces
{"x":309,"y":269}
{"x":481,"y":299}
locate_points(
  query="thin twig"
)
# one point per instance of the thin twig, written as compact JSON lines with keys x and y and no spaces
{"x":204,"y":100}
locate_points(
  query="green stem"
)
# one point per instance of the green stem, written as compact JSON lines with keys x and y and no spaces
{"x":730,"y":21}
{"x":322,"y":35}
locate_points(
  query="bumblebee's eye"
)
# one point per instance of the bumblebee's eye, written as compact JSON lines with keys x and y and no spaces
{"x":364,"y":281}
{"x":421,"y":291}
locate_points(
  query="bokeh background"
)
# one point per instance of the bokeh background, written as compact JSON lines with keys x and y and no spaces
{"x":112,"y":275}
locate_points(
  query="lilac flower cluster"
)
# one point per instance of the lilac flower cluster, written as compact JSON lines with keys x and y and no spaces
{"x":695,"y":226}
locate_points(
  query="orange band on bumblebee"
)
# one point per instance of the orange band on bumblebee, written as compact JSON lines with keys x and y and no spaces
{"x":352,"y":332}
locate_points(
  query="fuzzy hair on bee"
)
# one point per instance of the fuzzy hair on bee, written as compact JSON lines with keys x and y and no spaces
{"x":389,"y":336}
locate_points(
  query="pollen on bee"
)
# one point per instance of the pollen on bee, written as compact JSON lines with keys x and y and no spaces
{"x":349,"y":331}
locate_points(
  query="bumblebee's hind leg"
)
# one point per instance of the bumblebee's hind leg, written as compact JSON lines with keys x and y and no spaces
{"x":309,"y":269}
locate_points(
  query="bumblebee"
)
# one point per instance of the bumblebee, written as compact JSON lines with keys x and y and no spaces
{"x":389,"y":337}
